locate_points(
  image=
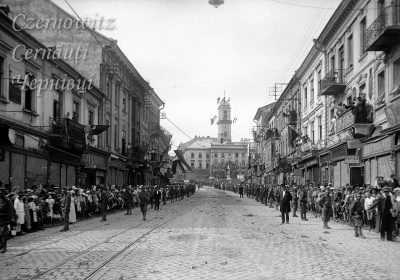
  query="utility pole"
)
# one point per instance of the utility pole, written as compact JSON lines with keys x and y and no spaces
{"x":276,"y":90}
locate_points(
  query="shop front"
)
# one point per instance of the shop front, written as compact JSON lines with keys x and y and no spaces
{"x":379,"y":158}
{"x":93,"y":168}
{"x":117,"y":171}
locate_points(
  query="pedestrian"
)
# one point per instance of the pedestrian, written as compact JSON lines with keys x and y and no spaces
{"x":66,"y":208}
{"x":369,"y":212}
{"x":325,"y":203}
{"x":296,"y":196}
{"x":19,"y":208}
{"x":104,"y":204}
{"x":241,"y":190}
{"x":157,"y":198}
{"x":128,"y":200}
{"x":356,"y":211}
{"x":6,"y":214}
{"x":143,"y":200}
{"x":303,"y":204}
{"x":285,"y":197}
{"x":164,"y":196}
{"x":385,"y":208}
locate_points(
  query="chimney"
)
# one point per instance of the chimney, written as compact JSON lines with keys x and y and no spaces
{"x":4,"y":9}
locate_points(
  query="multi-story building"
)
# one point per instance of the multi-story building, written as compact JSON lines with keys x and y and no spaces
{"x":129,"y":107}
{"x":349,"y":85}
{"x":49,"y":115}
{"x":217,"y":157}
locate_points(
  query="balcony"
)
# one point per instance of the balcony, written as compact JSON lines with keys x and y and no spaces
{"x":384,"y":32}
{"x":334,"y":83}
{"x":358,"y":126}
{"x":68,"y":134}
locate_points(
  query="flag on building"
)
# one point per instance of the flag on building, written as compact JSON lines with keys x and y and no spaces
{"x":292,"y":136}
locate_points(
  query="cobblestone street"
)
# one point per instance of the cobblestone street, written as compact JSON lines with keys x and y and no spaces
{"x":211,"y":235}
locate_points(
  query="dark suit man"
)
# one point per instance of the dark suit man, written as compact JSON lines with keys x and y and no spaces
{"x":241,"y":190}
{"x":157,"y":198}
{"x":285,"y":198}
{"x":66,"y":207}
{"x":385,"y":208}
{"x":104,"y":204}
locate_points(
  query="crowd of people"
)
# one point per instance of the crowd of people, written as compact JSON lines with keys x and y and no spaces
{"x":34,"y":209}
{"x":373,"y":208}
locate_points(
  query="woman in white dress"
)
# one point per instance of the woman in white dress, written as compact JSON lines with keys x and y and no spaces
{"x":50,"y":201}
{"x":19,"y":209}
{"x":72,"y":213}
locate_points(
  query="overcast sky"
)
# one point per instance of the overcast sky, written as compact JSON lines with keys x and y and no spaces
{"x":191,"y":53}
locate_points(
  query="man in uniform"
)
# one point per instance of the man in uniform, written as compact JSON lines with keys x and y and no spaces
{"x":325,"y":204}
{"x":241,"y":190}
{"x":303,"y":204}
{"x":65,"y":207}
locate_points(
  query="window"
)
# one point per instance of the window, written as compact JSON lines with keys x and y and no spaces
{"x":396,"y":77}
{"x":13,"y":89}
{"x":350,"y":51}
{"x":363,"y":35}
{"x":207,"y":166}
{"x":381,"y":6}
{"x":331,"y":123}
{"x":312,"y":133}
{"x":320,"y":128}
{"x":305,"y":97}
{"x":192,"y":164}
{"x":237,"y":155}
{"x":90,"y":117}
{"x":333,"y":62}
{"x":116,"y":95}
{"x":305,"y":131}
{"x":222,"y":155}
{"x":192,"y":155}
{"x":381,"y":88}
{"x":207,"y":155}
{"x":200,"y":156}
{"x":2,"y":95}
{"x":115,"y":137}
{"x":319,"y":80}
{"x":215,"y":155}
{"x":75,"y":111}
{"x":200,"y":165}
{"x":57,"y":104}
{"x":225,"y":134}
{"x":124,"y":102}
{"x":108,"y":133}
{"x":108,"y":91}
{"x":19,"y":140}
{"x":312,"y":92}
{"x":123,"y":144}
{"x":29,"y":92}
{"x":243,"y":155}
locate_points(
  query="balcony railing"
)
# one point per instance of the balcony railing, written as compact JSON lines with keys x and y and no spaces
{"x":68,"y":134}
{"x":384,"y":31}
{"x":361,"y":123}
{"x":334,"y":82}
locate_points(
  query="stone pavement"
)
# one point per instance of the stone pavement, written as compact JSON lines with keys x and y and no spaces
{"x":211,"y":235}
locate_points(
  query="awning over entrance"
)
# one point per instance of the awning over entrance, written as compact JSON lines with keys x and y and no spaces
{"x":179,"y":154}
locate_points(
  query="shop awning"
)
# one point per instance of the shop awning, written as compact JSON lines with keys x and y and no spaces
{"x":179,"y":154}
{"x":97,"y":129}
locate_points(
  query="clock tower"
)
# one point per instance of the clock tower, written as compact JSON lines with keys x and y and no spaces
{"x":224,"y":121}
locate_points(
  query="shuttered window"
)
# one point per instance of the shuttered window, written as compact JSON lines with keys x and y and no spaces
{"x":71,"y":175}
{"x":367,"y":173}
{"x":5,"y":168}
{"x":55,"y":174}
{"x":384,"y":169}
{"x":18,"y":170}
{"x":36,"y":172}
{"x":344,"y":175}
{"x":64,"y":176}
{"x":374,"y":173}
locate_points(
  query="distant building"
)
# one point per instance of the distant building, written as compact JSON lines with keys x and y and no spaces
{"x":217,"y":157}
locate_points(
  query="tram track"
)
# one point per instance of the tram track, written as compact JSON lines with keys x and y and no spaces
{"x":110,"y":259}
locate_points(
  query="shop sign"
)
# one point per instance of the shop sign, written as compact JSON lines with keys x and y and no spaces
{"x":311,"y":162}
{"x":306,"y":147}
{"x":378,"y":147}
{"x":351,"y":159}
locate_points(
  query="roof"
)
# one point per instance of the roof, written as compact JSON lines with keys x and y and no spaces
{"x":264,"y":109}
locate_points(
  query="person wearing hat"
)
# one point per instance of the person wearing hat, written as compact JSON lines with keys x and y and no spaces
{"x":6,"y":213}
{"x":66,"y":208}
{"x":303,"y":204}
{"x":385,"y":208}
{"x":143,"y":200}
{"x":326,"y":205}
{"x":104,"y":204}
{"x":357,"y":211}
{"x":285,"y":198}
